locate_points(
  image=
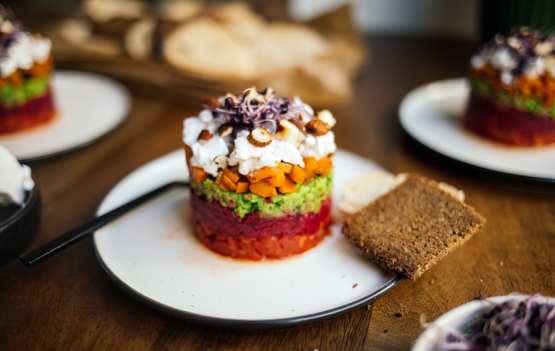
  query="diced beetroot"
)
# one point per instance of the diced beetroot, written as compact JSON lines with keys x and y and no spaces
{"x":508,"y":125}
{"x":255,"y":237}
{"x":32,"y":113}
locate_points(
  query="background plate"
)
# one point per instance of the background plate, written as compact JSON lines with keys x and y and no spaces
{"x":89,"y":106}
{"x":432,"y":114}
{"x":153,"y":253}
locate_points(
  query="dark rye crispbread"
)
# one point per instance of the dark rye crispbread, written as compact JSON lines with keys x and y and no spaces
{"x":412,"y":227}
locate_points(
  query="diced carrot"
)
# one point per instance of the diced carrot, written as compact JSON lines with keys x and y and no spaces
{"x":242,"y":187}
{"x":310,"y":164}
{"x":263,"y":189}
{"x":262,"y":173}
{"x":285,"y":167}
{"x":324,"y":166}
{"x":297,"y":175}
{"x":287,"y":187}
{"x":227,"y":183}
{"x":277,"y":180}
{"x":231,"y":174}
{"x":199,"y":175}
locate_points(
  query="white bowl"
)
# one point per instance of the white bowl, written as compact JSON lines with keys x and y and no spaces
{"x":461,"y":318}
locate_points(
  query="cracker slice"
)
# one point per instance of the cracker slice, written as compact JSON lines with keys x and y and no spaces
{"x":413,"y":226}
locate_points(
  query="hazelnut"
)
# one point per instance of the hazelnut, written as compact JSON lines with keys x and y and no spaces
{"x":317,"y":127}
{"x":211,"y":102}
{"x":543,"y":48}
{"x":225,"y":130}
{"x":260,"y":137}
{"x":7,"y":27}
{"x":326,"y":117}
{"x":205,"y":134}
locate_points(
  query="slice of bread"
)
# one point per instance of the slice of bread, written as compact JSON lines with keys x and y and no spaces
{"x":413,"y":226}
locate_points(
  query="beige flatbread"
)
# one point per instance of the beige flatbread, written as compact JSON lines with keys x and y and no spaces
{"x":203,"y":47}
{"x":283,"y":46}
{"x":364,"y":189}
{"x":79,"y":35}
{"x":105,"y":10}
{"x":138,"y":39}
{"x":179,"y":10}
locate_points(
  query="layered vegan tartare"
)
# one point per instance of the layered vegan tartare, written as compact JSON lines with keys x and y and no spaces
{"x":25,"y":70}
{"x":261,"y":174}
{"x":512,"y":96}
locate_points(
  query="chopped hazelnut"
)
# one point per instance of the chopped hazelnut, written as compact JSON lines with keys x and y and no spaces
{"x":317,"y":127}
{"x":211,"y":102}
{"x":205,"y":134}
{"x":260,"y":137}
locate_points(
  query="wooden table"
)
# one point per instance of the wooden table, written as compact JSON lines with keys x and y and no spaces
{"x":69,"y":303}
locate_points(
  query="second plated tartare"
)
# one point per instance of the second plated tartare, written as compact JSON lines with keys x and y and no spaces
{"x":261,"y":174}
{"x":25,"y":70}
{"x":512,"y":96}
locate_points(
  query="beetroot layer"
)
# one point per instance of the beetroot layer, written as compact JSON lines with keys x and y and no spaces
{"x":254,"y":237}
{"x":508,"y":125}
{"x":32,"y":113}
{"x":222,"y":220}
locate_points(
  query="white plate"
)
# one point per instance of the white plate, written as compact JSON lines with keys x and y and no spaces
{"x":153,"y":254}
{"x":462,"y":318}
{"x":432,"y":114}
{"x":89,"y":106}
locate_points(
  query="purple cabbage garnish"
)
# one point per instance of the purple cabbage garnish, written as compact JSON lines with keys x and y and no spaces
{"x":527,"y":325}
{"x":522,"y":44}
{"x":254,"y":109}
{"x":10,"y":27}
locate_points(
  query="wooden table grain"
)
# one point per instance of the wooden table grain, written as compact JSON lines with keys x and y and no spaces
{"x":69,"y":303}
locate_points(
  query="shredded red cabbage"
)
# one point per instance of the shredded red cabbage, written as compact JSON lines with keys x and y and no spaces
{"x":521,"y":45}
{"x":527,"y":325}
{"x":255,"y":108}
{"x":10,"y":28}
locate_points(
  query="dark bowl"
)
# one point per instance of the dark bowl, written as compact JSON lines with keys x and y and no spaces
{"x":19,"y":225}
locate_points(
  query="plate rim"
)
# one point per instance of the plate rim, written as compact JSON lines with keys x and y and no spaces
{"x":247,"y":324}
{"x":232,"y":323}
{"x":81,"y":145}
{"x":402,"y":120}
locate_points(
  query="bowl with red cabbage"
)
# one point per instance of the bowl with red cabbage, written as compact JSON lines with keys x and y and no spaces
{"x":502,"y":323}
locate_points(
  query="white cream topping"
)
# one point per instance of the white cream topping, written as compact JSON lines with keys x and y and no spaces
{"x":192,"y":126}
{"x":318,"y":146}
{"x":289,"y":145}
{"x":502,"y":59}
{"x":210,"y":155}
{"x":477,"y":61}
{"x":15,"y":179}
{"x":535,"y":68}
{"x":24,"y":52}
{"x":250,"y":158}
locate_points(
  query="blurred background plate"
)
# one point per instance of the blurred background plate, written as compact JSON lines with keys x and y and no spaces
{"x":153,"y":254}
{"x":432,"y":114}
{"x":89,"y":106}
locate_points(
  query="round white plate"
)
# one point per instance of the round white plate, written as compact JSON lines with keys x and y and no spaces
{"x":89,"y":106}
{"x":432,"y":115}
{"x":153,"y":254}
{"x":462,"y":318}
